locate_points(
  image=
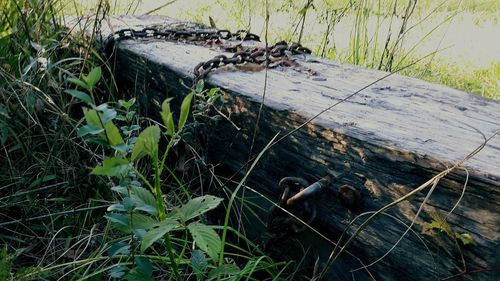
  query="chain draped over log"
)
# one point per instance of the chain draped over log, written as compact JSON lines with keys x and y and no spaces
{"x":271,"y":56}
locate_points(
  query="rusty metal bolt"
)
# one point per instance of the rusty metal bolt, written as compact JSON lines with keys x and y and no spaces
{"x":349,"y":196}
{"x":310,"y":190}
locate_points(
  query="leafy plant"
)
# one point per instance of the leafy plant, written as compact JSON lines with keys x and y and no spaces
{"x":440,"y":224}
{"x":141,"y":215}
{"x":44,"y":165}
{"x":45,"y":72}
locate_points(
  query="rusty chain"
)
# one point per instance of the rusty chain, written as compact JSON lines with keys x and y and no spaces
{"x":271,"y":56}
{"x":294,"y":199}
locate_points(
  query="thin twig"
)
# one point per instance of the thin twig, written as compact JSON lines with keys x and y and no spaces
{"x":261,"y":106}
{"x":334,"y":255}
{"x":160,"y":7}
{"x":305,"y":9}
{"x":469,"y":273}
{"x":32,"y":190}
{"x":434,"y":185}
{"x":74,"y":211}
{"x":226,"y":117}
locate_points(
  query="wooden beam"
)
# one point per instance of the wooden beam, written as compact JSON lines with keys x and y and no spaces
{"x":387,"y":140}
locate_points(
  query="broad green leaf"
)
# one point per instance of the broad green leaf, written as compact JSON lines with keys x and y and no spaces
{"x":117,"y":271}
{"x":222,"y":270}
{"x":89,"y":130}
{"x":466,"y":238}
{"x":100,"y":107}
{"x":127,"y":104}
{"x":80,"y":95}
{"x":144,"y":266}
{"x":128,"y":224}
{"x":111,"y":132}
{"x":147,"y":208}
{"x":120,"y":117}
{"x":78,"y":82}
{"x":198,"y":262}
{"x":136,"y":275}
{"x":117,"y":218}
{"x":200,"y":85}
{"x":140,"y":221}
{"x":116,"y":208}
{"x":438,"y":223}
{"x":198,"y":206}
{"x":186,"y":103}
{"x":128,"y":203}
{"x":92,"y":117}
{"x":130,"y":115}
{"x":112,"y":167}
{"x":107,"y":114}
{"x":214,"y":93}
{"x":144,"y":195}
{"x":120,"y":189}
{"x":119,"y":248}
{"x":147,"y":143}
{"x":139,"y":233}
{"x":166,"y":116}
{"x":129,"y":130}
{"x":93,"y":77}
{"x":156,"y":234}
{"x":145,"y":200}
{"x":97,"y":140}
{"x":206,"y":238}
{"x":120,"y":148}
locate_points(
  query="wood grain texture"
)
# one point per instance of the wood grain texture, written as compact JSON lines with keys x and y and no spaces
{"x":388,"y":139}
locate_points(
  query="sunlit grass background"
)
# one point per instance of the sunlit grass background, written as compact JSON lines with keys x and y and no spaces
{"x":465,"y":34}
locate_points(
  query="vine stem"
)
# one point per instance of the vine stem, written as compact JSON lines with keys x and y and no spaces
{"x":168,"y":244}
{"x":158,"y":193}
{"x":161,"y":211}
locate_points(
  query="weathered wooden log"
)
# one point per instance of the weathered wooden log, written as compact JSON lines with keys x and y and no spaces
{"x":386,"y":141}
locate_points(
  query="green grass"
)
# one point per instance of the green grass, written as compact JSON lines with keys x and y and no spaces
{"x":481,"y":81}
{"x":70,"y":148}
{"x":354,"y":41}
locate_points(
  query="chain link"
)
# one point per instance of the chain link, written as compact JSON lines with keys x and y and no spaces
{"x":294,"y":198}
{"x":280,"y":223}
{"x":268,"y":57}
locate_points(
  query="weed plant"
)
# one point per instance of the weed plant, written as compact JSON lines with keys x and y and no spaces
{"x":44,"y":166}
{"x":62,"y":215}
